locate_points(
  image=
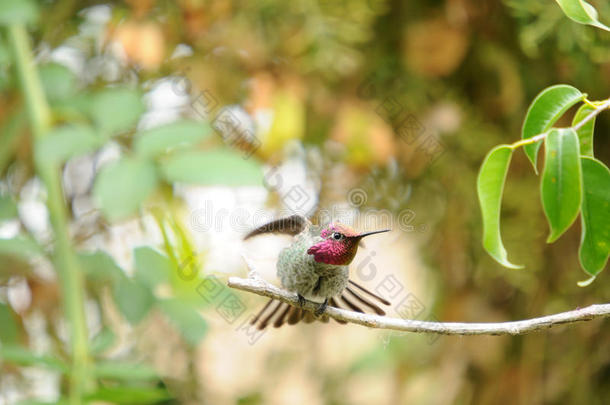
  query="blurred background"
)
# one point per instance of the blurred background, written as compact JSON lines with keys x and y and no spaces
{"x":181,"y":125}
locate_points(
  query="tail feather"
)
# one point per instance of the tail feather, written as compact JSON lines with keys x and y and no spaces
{"x":296,"y":314}
{"x":350,"y":299}
{"x":370,"y":293}
{"x":280,"y":319}
{"x":266,"y":320}
{"x":261,"y":312}
{"x":308,"y":318}
{"x":366,"y":302}
{"x":350,"y":304}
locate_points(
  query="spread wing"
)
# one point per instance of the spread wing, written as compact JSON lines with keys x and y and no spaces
{"x":353,"y":298}
{"x":291,"y":225}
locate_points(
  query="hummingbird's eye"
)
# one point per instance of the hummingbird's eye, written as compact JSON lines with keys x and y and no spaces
{"x":337,"y":236}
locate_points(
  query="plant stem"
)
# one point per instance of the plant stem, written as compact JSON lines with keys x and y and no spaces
{"x":65,"y":261}
{"x":527,"y":141}
{"x":38,"y":109}
{"x":593,"y":114}
{"x":598,"y":109}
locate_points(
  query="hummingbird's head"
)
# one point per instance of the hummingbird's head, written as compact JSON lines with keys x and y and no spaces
{"x":339,"y":244}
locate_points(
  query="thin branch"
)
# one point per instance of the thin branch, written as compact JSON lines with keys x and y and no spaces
{"x":592,"y":115}
{"x":528,"y":141}
{"x":598,"y":109}
{"x":258,"y":286}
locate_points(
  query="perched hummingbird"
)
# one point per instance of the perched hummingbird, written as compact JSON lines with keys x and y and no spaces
{"x":315,"y":266}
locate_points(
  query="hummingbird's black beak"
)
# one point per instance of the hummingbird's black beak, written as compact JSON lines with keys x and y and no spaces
{"x":362,"y":235}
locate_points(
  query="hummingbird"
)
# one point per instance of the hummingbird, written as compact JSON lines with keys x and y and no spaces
{"x":315,"y":265}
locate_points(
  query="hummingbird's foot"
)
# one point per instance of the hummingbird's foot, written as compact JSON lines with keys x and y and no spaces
{"x":320,"y":310}
{"x":301,"y":300}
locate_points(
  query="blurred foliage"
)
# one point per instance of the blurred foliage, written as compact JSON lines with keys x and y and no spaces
{"x":399,"y":99}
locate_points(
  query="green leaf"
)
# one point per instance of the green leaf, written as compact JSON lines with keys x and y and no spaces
{"x":186,"y":319}
{"x":18,"y":12}
{"x":184,"y":259}
{"x":100,"y":267}
{"x":585,"y":134}
{"x":57,"y":80}
{"x":8,"y":207}
{"x":102,"y":341}
{"x":22,"y":247}
{"x":595,"y":240}
{"x":124,"y":371}
{"x":548,"y":106}
{"x":122,"y":186}
{"x":129,"y":395}
{"x":77,"y":107}
{"x":21,"y":356}
{"x":152,"y":268}
{"x":490,"y":186}
{"x":9,"y":332}
{"x":561,"y":187}
{"x":164,"y":138}
{"x":134,"y":299}
{"x":65,"y":142}
{"x":116,"y":110}
{"x":213,"y":167}
{"x":581,"y":12}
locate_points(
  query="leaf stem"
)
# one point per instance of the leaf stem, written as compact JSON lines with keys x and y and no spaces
{"x":527,"y":141}
{"x":38,"y":108}
{"x":598,"y":109}
{"x":65,"y":261}
{"x":604,"y":106}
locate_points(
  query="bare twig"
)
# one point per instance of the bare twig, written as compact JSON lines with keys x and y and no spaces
{"x":258,"y":286}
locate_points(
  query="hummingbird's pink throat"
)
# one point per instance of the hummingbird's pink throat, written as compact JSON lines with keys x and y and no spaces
{"x":340,"y":251}
{"x":334,"y":252}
